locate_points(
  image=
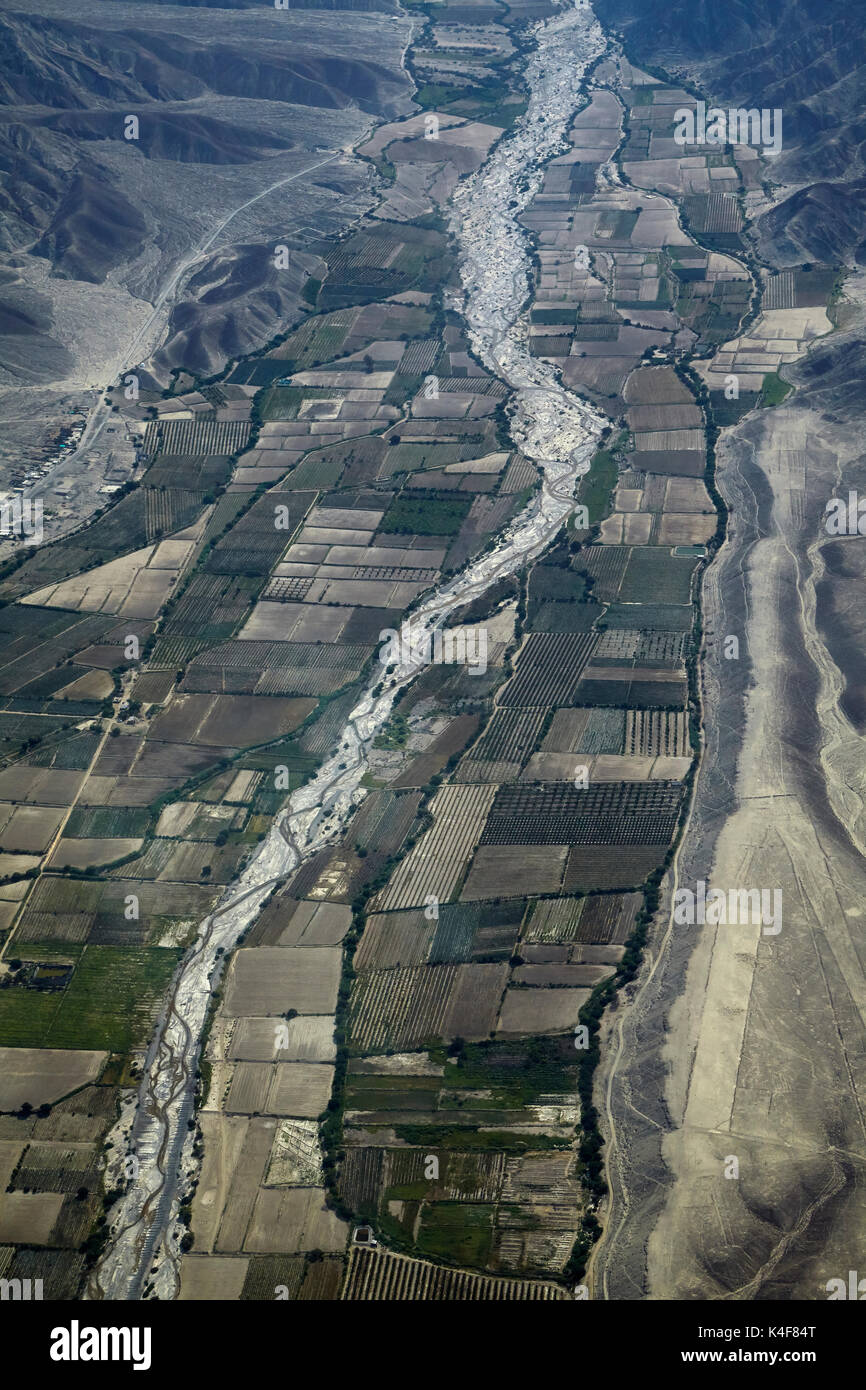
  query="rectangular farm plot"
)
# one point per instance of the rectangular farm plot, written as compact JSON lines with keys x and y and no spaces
{"x":598,"y":868}
{"x":585,"y":731}
{"x":380,"y":557}
{"x":315,"y":924}
{"x":687,"y":495}
{"x":28,"y":1218}
{"x":11,"y":1151}
{"x":603,"y":767}
{"x":270,"y":980}
{"x":402,"y":1009}
{"x":275,"y":621}
{"x":554,"y":921}
{"x":355,"y":518}
{"x":607,"y":565}
{"x":658,"y":577}
{"x":512,"y":871}
{"x":436,"y":864}
{"x":685,"y":463}
{"x":239,"y":720}
{"x":540,"y":1011}
{"x":384,"y":820}
{"x":366,"y":593}
{"x":398,"y":1009}
{"x":393,"y":939}
{"x":556,"y":813}
{"x":89,"y":854}
{"x":379,"y":1274}
{"x":235,"y":1159}
{"x":40,"y":786}
{"x":302,"y":1039}
{"x":559,"y":975}
{"x":300,"y":1089}
{"x":286,"y":1220}
{"x":475,"y":1000}
{"x":608,"y":920}
{"x":229,"y":720}
{"x":667,"y":417}
{"x":43,"y":1076}
{"x":276,"y":668}
{"x":549,"y":667}
{"x":249,"y":1088}
{"x":649,"y":617}
{"x":206,"y":1277}
{"x":651,"y":385}
{"x":107,"y":1003}
{"x":657,"y":733}
{"x":685,"y":528}
{"x":57,"y":1167}
{"x":509,"y":737}
{"x":77,"y":910}
{"x":602,"y":686}
{"x":470,"y":931}
{"x":29,"y":829}
{"x":196,"y":436}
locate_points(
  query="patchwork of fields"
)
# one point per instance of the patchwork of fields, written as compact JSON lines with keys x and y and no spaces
{"x":172,"y":671}
{"x":404,"y":1038}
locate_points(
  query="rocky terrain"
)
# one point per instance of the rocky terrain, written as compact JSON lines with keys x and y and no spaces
{"x":153,"y":157}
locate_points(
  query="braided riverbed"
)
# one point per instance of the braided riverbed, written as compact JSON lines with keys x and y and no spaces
{"x":553,"y":427}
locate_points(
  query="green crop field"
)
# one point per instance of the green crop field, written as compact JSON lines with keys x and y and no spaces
{"x":99,"y":822}
{"x":459,"y":1232}
{"x":774,"y":389}
{"x":426,"y":515}
{"x":108,"y":1004}
{"x":597,"y":485}
{"x":656,"y":576}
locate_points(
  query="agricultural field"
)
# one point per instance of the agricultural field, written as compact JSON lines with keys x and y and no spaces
{"x":104,"y":998}
{"x":269,"y":981}
{"x":270,"y":1068}
{"x":583,"y":746}
{"x":41,"y":1076}
{"x":548,"y":669}
{"x":383,"y":1275}
{"x":402,"y":1008}
{"x":556,"y":813}
{"x":413,"y":991}
{"x":436,"y":863}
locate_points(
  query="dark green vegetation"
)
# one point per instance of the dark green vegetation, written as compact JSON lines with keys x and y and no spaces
{"x":427,"y":514}
{"x":597,"y":486}
{"x":108,"y":1001}
{"x":774,"y":389}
